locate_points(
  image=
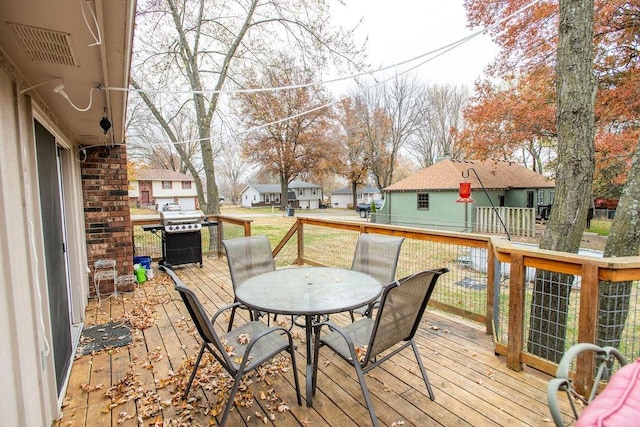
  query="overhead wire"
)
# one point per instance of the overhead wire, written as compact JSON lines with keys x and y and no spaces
{"x":435,"y":52}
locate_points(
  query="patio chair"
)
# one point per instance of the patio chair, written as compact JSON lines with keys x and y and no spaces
{"x":247,"y":257}
{"x":617,"y":404}
{"x":361,"y":343}
{"x":265,"y":342}
{"x":376,"y":255}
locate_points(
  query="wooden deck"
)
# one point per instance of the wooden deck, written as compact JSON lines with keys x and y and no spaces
{"x":472,"y":386}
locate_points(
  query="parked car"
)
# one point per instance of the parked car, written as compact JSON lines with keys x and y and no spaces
{"x":364,"y":209}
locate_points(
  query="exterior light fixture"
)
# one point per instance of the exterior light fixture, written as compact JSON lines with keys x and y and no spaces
{"x":105,"y":124}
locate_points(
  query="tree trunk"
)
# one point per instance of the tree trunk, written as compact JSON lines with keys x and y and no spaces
{"x":576,"y":91}
{"x":354,"y":194}
{"x":623,"y":240}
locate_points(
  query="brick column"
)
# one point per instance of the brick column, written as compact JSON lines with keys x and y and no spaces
{"x":106,"y":210}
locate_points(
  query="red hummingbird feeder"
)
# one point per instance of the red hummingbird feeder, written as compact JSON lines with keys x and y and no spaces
{"x":465,"y":193}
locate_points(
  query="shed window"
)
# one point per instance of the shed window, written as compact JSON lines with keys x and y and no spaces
{"x":423,"y":201}
{"x":551,"y":194}
{"x":166,"y":185}
{"x":540,"y":197}
{"x":186,"y":185}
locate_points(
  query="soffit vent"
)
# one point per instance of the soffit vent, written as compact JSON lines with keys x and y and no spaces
{"x":40,"y":44}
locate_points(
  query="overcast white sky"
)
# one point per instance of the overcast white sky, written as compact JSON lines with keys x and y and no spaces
{"x":403,"y":29}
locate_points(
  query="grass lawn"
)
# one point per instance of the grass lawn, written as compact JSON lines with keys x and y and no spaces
{"x":600,"y":226}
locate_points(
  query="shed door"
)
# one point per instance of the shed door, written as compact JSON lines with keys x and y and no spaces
{"x":529,"y":199}
{"x":54,"y":247}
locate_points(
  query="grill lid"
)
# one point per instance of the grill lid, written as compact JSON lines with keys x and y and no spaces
{"x":181,"y":217}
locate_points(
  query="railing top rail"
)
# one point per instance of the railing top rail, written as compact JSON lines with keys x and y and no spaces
{"x":504,"y":248}
{"x":463,"y":239}
{"x":611,"y":268}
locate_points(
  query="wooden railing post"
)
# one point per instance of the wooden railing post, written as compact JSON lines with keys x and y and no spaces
{"x":491,"y":288}
{"x":300,"y":226}
{"x":516,"y":312}
{"x":587,"y":327}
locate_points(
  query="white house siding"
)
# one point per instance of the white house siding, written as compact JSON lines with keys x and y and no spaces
{"x":341,"y":200}
{"x":27,"y":368}
{"x":249,"y":196}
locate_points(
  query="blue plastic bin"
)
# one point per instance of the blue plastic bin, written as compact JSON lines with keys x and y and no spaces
{"x":143,"y":260}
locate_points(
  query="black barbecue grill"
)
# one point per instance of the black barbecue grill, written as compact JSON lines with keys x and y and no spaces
{"x":180,"y":232}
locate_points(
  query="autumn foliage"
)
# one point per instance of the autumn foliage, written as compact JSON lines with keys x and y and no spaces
{"x":514,"y":109}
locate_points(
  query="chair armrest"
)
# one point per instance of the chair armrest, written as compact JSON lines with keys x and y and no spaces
{"x":222,"y":310}
{"x":345,"y":336}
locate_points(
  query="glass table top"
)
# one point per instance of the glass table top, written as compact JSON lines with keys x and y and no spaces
{"x":309,"y":290}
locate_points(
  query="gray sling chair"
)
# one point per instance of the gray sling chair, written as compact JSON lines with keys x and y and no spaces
{"x":247,"y":257}
{"x":376,"y":255}
{"x":265,"y":342}
{"x":400,"y":311}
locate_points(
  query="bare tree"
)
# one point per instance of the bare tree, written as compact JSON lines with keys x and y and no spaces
{"x":205,"y":45}
{"x":443,"y":118}
{"x":390,"y":114}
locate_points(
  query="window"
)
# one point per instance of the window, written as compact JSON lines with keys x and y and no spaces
{"x":300,"y":192}
{"x":551,"y":194}
{"x":313,"y":191}
{"x":166,"y":185}
{"x":186,"y":185}
{"x":423,"y":201}
{"x":540,"y":197}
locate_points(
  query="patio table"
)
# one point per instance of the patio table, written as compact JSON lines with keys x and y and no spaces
{"x":310,"y":292}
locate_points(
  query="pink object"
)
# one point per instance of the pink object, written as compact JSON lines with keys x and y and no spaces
{"x":619,"y":403}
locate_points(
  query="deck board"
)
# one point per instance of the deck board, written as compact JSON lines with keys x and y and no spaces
{"x":472,"y":385}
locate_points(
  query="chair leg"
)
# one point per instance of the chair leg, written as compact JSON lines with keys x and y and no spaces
{"x":294,"y":368}
{"x":193,"y":373}
{"x":232,"y":393}
{"x":422,"y":370}
{"x":365,"y":393}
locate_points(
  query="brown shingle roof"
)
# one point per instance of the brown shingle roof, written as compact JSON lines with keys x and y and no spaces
{"x":495,"y":174}
{"x":162,"y":175}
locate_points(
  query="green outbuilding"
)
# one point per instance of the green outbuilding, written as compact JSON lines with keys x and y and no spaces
{"x":501,"y":193}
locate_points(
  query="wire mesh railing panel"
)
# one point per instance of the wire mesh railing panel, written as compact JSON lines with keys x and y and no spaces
{"x":330,"y":246}
{"x":232,"y":231}
{"x":146,"y":243}
{"x":288,"y":253}
{"x":464,"y":287}
{"x":551,"y":313}
{"x":618,"y":322}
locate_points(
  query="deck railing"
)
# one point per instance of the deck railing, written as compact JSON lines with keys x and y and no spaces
{"x":491,"y":281}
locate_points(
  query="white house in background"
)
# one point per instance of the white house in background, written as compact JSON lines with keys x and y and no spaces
{"x":343,"y":198}
{"x":158,"y":187}
{"x":302,"y":195}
